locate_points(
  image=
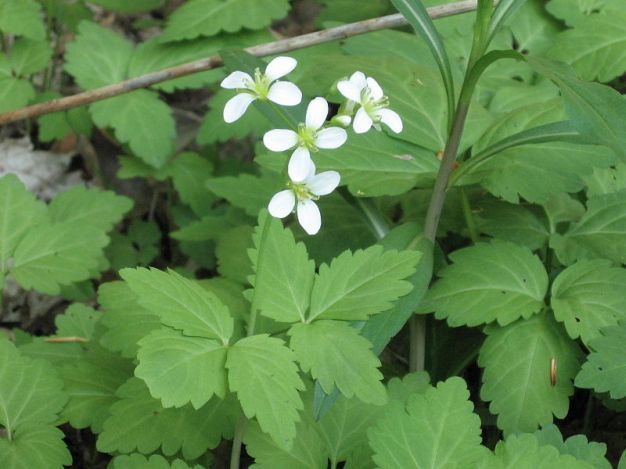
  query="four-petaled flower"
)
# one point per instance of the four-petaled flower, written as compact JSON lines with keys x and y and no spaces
{"x":373,"y":109}
{"x":263,"y":86}
{"x":302,"y":194}
{"x":309,"y":138}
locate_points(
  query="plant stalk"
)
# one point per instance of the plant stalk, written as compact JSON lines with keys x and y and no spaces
{"x":469,"y":217}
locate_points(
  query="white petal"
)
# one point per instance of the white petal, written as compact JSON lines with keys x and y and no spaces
{"x":236,"y":80}
{"x":392,"y":119}
{"x":362,"y":122}
{"x":332,"y":137}
{"x":282,"y":204}
{"x":236,"y":106}
{"x":377,"y":91}
{"x":323,"y":183}
{"x":280,"y":139}
{"x":309,"y":216}
{"x":349,"y":90}
{"x":285,"y":93}
{"x":359,"y":79}
{"x":279,"y":67}
{"x":342,"y":120}
{"x":316,"y":113}
{"x":300,"y":163}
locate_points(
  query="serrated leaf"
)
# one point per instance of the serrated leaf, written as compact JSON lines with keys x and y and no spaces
{"x":499,"y":281}
{"x":436,"y":429}
{"x":576,"y":445}
{"x":22,"y":18}
{"x":142,"y":120}
{"x":181,"y":370}
{"x":180,"y":303}
{"x":139,"y":422}
{"x":57,"y":254}
{"x":100,"y":209}
{"x":516,"y":378}
{"x":231,"y":252}
{"x":123,"y":6}
{"x":605,"y":368}
{"x":284,"y":272}
{"x":28,"y":56}
{"x":78,"y":320}
{"x":156,"y":461}
{"x":19,"y":212}
{"x":261,"y":370}
{"x":533,"y":28}
{"x":14,"y":93}
{"x":39,"y":446}
{"x":336,"y":355}
{"x":97,"y":57}
{"x":357,"y":285}
{"x":209,"y":17}
{"x":588,"y":296}
{"x":594,"y":47}
{"x":189,"y":173}
{"x":572,"y":11}
{"x":246,"y":191}
{"x":606,"y":180}
{"x":126,"y":321}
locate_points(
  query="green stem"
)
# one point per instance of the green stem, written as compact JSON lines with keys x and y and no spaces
{"x":417,"y":332}
{"x":469,"y":217}
{"x":4,"y":43}
{"x":235,"y":453}
{"x":284,"y":116}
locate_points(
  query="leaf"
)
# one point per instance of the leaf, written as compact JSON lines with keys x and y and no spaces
{"x":126,"y":321}
{"x":123,"y":6}
{"x":246,"y":191}
{"x":28,"y":56}
{"x":22,"y":18}
{"x":180,"y":370}
{"x":572,"y":11}
{"x":594,"y":47}
{"x":600,"y":232}
{"x":19,"y":212}
{"x":606,"y":180}
{"x":576,"y":445}
{"x":57,"y":254}
{"x":499,"y":281}
{"x":189,"y":173}
{"x":588,"y":296}
{"x":35,"y":447}
{"x":357,"y":285}
{"x":180,"y":303}
{"x":605,"y":369}
{"x":209,"y":17}
{"x":261,"y":370}
{"x":436,"y":429}
{"x":97,"y":57}
{"x":284,"y":272}
{"x":77,"y":320}
{"x":100,"y":209}
{"x":137,"y":422}
{"x":156,"y":461}
{"x":337,"y":355}
{"x":14,"y":93}
{"x":142,"y":120}
{"x":533,"y":28}
{"x":516,"y":380}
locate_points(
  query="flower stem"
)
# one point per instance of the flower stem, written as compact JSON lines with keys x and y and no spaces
{"x":469,"y":217}
{"x":417,"y":332}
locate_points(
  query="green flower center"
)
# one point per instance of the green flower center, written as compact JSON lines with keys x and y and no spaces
{"x":306,"y":137}
{"x":371,"y":105}
{"x":260,"y":85}
{"x":301,"y":191}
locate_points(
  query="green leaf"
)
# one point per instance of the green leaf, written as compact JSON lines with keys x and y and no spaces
{"x":57,"y":254}
{"x":357,"y":285}
{"x":337,"y":355}
{"x":22,"y":18}
{"x":123,"y":6}
{"x":126,"y":321}
{"x":436,"y":429}
{"x":180,"y":303}
{"x":499,"y":281}
{"x":232,"y":253}
{"x":606,"y":180}
{"x":209,"y":17}
{"x":77,"y":320}
{"x":605,"y":369}
{"x":261,"y":370}
{"x":533,"y":28}
{"x":179,"y":369}
{"x":594,"y":47}
{"x":142,"y":120}
{"x":19,"y":212}
{"x":516,"y":378}
{"x":284,"y":272}
{"x":97,"y":57}
{"x":91,"y":384}
{"x":572,"y":11}
{"x":599,"y":233}
{"x":576,"y":445}
{"x":35,"y":447}
{"x":14,"y":93}
{"x":189,"y":173}
{"x":588,"y":296}
{"x":28,"y":56}
{"x":100,"y":209}
{"x":246,"y":191}
{"x":418,"y":17}
{"x":138,"y":422}
{"x":139,"y":461}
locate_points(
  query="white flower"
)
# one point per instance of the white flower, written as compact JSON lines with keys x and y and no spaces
{"x":302,"y":194}
{"x":263,"y":86}
{"x":308,"y":138}
{"x":374,"y":104}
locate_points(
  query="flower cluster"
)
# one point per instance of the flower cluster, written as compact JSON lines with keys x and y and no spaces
{"x":366,"y":106}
